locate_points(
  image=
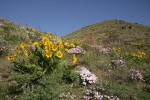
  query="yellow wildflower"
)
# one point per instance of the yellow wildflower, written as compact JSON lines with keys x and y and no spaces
{"x":15,"y":55}
{"x":54,"y":47}
{"x":66,"y":44}
{"x":59,"y":54}
{"x":46,"y":48}
{"x":45,"y":40}
{"x":118,"y":50}
{"x":16,"y":47}
{"x":35,"y":44}
{"x":139,"y":56}
{"x":77,"y":41}
{"x":72,"y":45}
{"x":74,"y":59}
{"x":141,"y":53}
{"x":48,"y":54}
{"x":27,"y":52}
{"x":114,"y":49}
{"x":133,"y":54}
{"x":11,"y":57}
{"x":66,"y":50}
{"x":59,"y":42}
{"x":23,"y":45}
{"x":50,"y":44}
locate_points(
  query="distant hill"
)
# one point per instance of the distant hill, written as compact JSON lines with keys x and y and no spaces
{"x":114,"y":32}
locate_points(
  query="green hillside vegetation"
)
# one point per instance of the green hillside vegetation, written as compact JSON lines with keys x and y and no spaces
{"x":11,"y":34}
{"x":114,"y":33}
{"x":115,"y":51}
{"x":128,"y":40}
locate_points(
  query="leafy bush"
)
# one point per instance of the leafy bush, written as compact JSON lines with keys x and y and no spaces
{"x":70,"y":75}
{"x":39,"y":68}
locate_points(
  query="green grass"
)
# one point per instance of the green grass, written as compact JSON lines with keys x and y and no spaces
{"x":129,"y":37}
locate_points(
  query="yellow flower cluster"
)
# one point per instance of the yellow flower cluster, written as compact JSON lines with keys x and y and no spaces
{"x":72,"y":43}
{"x":11,"y":57}
{"x":22,"y":49}
{"x":51,"y":45}
{"x":23,"y":45}
{"x":116,"y":49}
{"x":74,"y":40}
{"x":56,"y":47}
{"x":139,"y":55}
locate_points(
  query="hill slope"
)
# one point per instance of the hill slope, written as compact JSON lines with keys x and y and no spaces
{"x":122,"y":72}
{"x":12,"y":34}
{"x":114,"y":32}
{"x":129,"y":40}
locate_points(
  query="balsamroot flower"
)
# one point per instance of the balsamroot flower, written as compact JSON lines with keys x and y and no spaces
{"x":44,"y":40}
{"x":11,"y":57}
{"x":72,"y":45}
{"x":59,"y":43}
{"x":23,"y":45}
{"x":35,"y":44}
{"x":54,"y":47}
{"x":74,"y":59}
{"x":27,"y":52}
{"x":48,"y":54}
{"x":59,"y":54}
{"x":66,"y":50}
{"x":66,"y":44}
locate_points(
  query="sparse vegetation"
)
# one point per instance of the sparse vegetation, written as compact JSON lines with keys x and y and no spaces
{"x":45,"y":67}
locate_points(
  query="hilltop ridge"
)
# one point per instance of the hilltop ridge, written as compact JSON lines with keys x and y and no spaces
{"x":114,"y":32}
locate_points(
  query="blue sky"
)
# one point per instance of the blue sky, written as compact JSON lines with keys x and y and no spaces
{"x":65,"y":16}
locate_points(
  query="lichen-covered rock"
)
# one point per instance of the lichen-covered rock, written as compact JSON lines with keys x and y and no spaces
{"x":77,"y":50}
{"x":86,"y":76}
{"x":102,"y":49}
{"x":136,"y":75}
{"x":116,"y":63}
